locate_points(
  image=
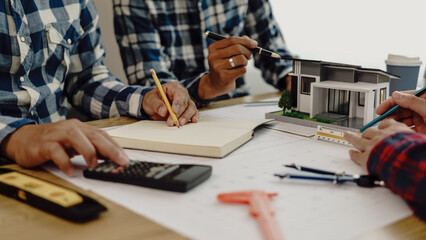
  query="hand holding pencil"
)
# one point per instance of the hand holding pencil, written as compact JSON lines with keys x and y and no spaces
{"x":181,"y":110}
{"x":403,"y":112}
{"x":406,"y":108}
{"x":412,"y":109}
{"x":164,"y":97}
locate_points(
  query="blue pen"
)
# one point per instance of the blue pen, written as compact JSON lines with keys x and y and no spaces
{"x":389,"y":112}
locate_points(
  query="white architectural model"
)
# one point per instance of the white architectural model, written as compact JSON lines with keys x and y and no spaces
{"x":339,"y":92}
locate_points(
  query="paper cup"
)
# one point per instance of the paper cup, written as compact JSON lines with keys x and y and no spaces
{"x":405,"y":67}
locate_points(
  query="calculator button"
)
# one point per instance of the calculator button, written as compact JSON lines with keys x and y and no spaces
{"x":107,"y":169}
{"x":117,"y":170}
{"x":154,"y":170}
{"x":165,"y":172}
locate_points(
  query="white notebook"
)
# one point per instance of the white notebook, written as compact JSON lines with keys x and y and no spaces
{"x":210,"y":137}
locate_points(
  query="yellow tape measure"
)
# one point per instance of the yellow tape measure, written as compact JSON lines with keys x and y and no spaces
{"x":331,"y":135}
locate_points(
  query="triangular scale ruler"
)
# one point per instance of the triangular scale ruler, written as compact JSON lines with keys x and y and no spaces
{"x":331,"y":135}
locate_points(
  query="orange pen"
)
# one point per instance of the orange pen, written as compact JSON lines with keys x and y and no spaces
{"x":260,"y":208}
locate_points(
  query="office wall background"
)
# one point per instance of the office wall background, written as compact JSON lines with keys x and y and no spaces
{"x":359,"y":32}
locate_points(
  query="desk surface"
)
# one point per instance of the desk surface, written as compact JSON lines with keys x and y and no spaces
{"x":19,"y":221}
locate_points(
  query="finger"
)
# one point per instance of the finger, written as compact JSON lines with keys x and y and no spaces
{"x":107,"y":148}
{"x":369,"y":133}
{"x":239,"y":61}
{"x":179,"y":97}
{"x":356,"y":140}
{"x":231,"y":51}
{"x":75,"y":138}
{"x":247,"y":42}
{"x":236,"y":72}
{"x":410,"y":101}
{"x":86,"y":128}
{"x":408,"y":121}
{"x":188,"y":114}
{"x":390,"y":102}
{"x":195,"y":118}
{"x":359,"y":157}
{"x":386,"y":123}
{"x":58,"y":155}
{"x":386,"y":105}
{"x":154,"y":105}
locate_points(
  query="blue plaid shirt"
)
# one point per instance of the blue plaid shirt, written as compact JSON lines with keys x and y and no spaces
{"x":168,"y":36}
{"x":51,"y":55}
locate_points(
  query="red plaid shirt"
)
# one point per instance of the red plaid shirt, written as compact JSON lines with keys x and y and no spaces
{"x":400,"y":161}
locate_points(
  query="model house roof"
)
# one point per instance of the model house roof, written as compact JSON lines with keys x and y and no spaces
{"x":346,"y":66}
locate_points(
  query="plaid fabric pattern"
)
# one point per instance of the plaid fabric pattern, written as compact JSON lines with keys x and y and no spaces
{"x":400,"y":161}
{"x":51,"y":55}
{"x":168,"y":36}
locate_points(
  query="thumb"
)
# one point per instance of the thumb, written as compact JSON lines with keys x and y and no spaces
{"x":412,"y":102}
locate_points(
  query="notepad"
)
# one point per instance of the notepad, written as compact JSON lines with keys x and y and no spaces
{"x":210,"y":137}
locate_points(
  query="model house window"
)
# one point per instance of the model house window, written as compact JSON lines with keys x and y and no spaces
{"x":382,"y":95}
{"x":361,"y":99}
{"x":375,"y":97}
{"x":338,"y":101}
{"x":306,"y":85}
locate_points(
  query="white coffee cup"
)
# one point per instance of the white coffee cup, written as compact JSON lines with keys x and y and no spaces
{"x":405,"y":67}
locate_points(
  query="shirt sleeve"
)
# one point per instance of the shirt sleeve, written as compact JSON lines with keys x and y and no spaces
{"x":261,"y":26}
{"x":89,"y":85}
{"x":400,"y":161}
{"x":10,"y":124}
{"x":134,"y":31}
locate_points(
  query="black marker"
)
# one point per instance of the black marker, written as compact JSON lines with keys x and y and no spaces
{"x":261,"y":51}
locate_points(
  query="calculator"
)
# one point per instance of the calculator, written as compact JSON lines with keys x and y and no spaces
{"x":170,"y":177}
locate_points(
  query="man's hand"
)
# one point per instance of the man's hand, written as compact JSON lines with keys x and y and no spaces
{"x":365,"y":143}
{"x":221,"y":78}
{"x":32,"y":145}
{"x":412,"y":111}
{"x":182,"y":105}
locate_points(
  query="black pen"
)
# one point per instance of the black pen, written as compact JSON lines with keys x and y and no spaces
{"x":261,"y":51}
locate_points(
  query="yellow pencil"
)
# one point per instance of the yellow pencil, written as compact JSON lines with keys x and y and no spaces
{"x":165,"y":99}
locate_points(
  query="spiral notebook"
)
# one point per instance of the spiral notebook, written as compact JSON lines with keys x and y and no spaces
{"x":210,"y":137}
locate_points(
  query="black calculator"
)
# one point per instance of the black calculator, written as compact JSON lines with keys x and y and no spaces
{"x":170,"y":177}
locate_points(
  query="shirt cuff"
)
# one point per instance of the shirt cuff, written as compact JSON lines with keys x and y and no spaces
{"x":129,"y":102}
{"x":11,"y":124}
{"x":193,"y":91}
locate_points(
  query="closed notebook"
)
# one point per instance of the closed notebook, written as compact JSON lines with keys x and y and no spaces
{"x":210,"y":137}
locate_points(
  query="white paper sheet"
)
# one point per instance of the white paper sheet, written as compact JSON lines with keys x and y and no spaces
{"x":304,"y":209}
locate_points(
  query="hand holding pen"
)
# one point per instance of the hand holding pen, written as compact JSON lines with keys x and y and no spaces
{"x":227,"y":59}
{"x":259,"y":50}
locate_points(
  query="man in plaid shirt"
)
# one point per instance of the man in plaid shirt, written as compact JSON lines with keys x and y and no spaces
{"x":395,"y":152}
{"x":51,"y":54}
{"x":169,"y":36}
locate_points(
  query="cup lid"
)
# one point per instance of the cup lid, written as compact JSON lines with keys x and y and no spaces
{"x":399,"y":60}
